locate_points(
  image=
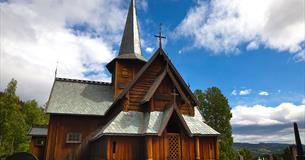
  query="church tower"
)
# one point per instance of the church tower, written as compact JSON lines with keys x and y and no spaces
{"x":129,"y":60}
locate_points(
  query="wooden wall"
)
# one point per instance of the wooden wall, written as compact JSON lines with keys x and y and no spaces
{"x":208,"y":148}
{"x":137,"y":93}
{"x":163,"y":97}
{"x":161,"y":148}
{"x":124,"y":73}
{"x":118,"y":148}
{"x":98,"y":149}
{"x":60,"y":126}
{"x":37,"y":150}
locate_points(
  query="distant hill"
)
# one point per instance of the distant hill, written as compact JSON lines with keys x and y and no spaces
{"x":262,"y":148}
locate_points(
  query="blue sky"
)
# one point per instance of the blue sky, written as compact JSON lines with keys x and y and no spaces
{"x":263,"y":69}
{"x":254,"y":51}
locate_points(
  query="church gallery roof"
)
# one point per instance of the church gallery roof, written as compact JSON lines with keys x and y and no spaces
{"x":152,"y":123}
{"x":80,"y":97}
{"x":38,"y":131}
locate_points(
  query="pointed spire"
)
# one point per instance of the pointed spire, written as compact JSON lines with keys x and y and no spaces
{"x":130,"y":44}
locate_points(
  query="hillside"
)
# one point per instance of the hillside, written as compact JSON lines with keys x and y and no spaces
{"x":262,"y":148}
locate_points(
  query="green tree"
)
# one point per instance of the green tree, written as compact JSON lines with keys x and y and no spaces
{"x":246,"y":154}
{"x":12,"y":123}
{"x":217,"y":113}
{"x":16,"y":117}
{"x":287,"y":155}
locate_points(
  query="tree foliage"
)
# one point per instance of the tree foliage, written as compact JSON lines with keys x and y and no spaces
{"x":246,"y":154}
{"x":16,"y":118}
{"x":217,"y":113}
{"x":287,"y":154}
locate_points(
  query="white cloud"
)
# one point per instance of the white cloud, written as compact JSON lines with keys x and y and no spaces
{"x":223,"y":25}
{"x":303,"y":101}
{"x":143,"y":4}
{"x":245,"y":92}
{"x":264,"y":115}
{"x":263,"y":93}
{"x":234,"y":92}
{"x":149,"y":49}
{"x":252,"y":45}
{"x":259,"y":123}
{"x":36,"y":34}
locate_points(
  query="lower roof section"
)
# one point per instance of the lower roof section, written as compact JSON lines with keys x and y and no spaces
{"x":38,"y":131}
{"x":139,"y":124}
{"x":79,"y":97}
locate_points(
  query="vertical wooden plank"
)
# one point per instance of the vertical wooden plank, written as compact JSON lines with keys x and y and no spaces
{"x":165,"y":145}
{"x":149,"y":148}
{"x":197,"y":148}
{"x":109,"y":148}
{"x":161,"y":141}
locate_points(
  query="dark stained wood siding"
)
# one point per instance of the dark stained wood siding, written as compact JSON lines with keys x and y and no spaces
{"x":161,"y":148}
{"x":136,"y":94}
{"x":124,"y":73}
{"x":60,"y":126}
{"x":208,"y":148}
{"x":126,"y":148}
{"x":98,"y":149}
{"x":37,"y":150}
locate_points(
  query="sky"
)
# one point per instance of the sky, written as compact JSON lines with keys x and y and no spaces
{"x":254,"y":51}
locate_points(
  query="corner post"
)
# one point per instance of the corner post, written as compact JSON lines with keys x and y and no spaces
{"x":217,"y":148}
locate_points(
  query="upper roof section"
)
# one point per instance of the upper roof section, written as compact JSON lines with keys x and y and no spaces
{"x":79,"y":97}
{"x":38,"y":130}
{"x":130,"y":45}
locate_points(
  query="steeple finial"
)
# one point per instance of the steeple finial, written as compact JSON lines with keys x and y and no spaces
{"x":160,"y":36}
{"x":131,"y":44}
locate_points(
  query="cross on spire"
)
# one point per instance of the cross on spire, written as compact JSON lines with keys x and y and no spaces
{"x":174,"y":94}
{"x":160,"y":37}
{"x":56,"y":69}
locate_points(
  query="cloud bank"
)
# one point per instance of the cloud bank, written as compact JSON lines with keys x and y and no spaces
{"x":224,"y":25}
{"x":36,"y":34}
{"x":260,"y":123}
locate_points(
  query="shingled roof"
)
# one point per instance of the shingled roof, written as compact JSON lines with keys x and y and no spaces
{"x":79,"y":97}
{"x":139,"y":124}
{"x":38,"y":130}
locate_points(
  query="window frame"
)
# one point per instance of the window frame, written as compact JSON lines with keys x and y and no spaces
{"x":40,"y":139}
{"x":71,"y":139}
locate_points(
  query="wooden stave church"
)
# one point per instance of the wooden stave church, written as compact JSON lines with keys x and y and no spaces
{"x":146,"y":112}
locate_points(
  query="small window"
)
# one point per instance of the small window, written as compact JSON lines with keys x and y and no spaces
{"x":124,"y":72}
{"x":74,"y":138}
{"x":113,"y":146}
{"x":121,"y":85}
{"x":40,"y":142}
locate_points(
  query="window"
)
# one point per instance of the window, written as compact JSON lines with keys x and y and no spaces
{"x":121,"y":85}
{"x":113,"y":146}
{"x":74,"y":138}
{"x":124,"y":73}
{"x":40,"y":142}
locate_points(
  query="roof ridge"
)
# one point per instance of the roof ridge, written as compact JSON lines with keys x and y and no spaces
{"x":82,"y":81}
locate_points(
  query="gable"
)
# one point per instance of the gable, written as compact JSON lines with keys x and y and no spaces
{"x":145,"y":83}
